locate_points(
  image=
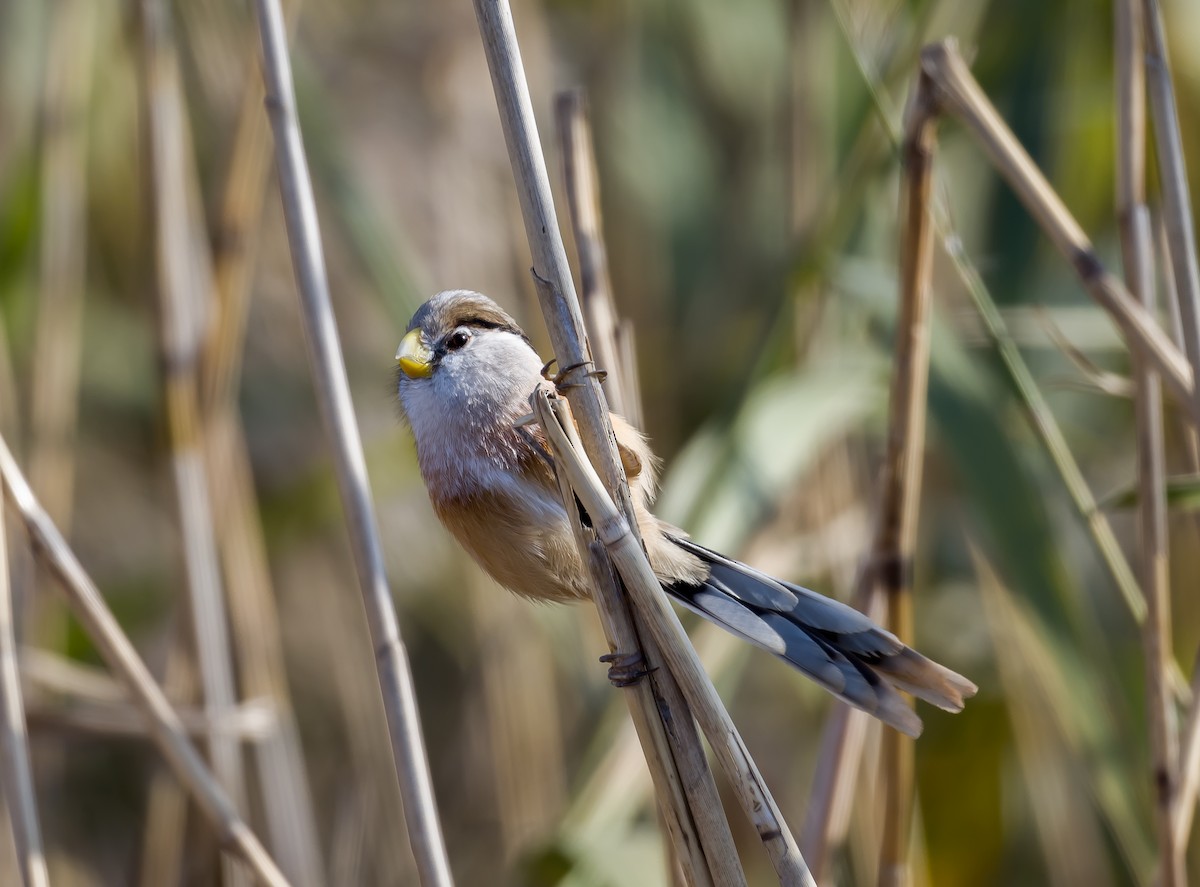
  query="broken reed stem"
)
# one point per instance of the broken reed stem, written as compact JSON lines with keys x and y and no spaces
{"x":337,"y":413}
{"x":1137,"y":258}
{"x":564,"y":322}
{"x":664,"y":626}
{"x":957,"y":93}
{"x":183,"y":275}
{"x":115,"y":648}
{"x":1032,"y":399}
{"x":595,"y":292}
{"x":17,"y":774}
{"x":901,"y":482}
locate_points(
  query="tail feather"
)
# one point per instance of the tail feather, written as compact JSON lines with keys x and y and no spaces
{"x":835,"y":645}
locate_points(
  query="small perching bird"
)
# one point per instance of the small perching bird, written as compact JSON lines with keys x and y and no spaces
{"x":466,"y":375}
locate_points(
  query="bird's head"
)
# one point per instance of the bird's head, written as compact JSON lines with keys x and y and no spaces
{"x":466,"y":370}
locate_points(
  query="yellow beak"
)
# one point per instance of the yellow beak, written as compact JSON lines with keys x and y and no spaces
{"x":414,"y":356}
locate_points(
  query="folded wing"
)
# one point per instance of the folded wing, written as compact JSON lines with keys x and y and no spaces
{"x":835,"y":645}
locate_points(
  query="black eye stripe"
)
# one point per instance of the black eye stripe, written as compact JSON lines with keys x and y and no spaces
{"x":485,"y":324}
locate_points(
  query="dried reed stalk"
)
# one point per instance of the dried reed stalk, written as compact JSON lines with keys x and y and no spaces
{"x":1183,"y":288}
{"x":699,"y":832}
{"x":839,"y":755}
{"x":165,"y":830}
{"x":595,"y":290}
{"x":337,"y":411}
{"x":688,"y":802}
{"x":956,"y":92}
{"x":251,"y":722}
{"x":254,"y":618}
{"x":14,"y":741}
{"x":1137,"y":251}
{"x":57,"y":337}
{"x":1048,"y":430}
{"x":629,"y":558}
{"x":609,"y":338}
{"x":115,"y":648}
{"x":1177,"y":210}
{"x":901,"y":481}
{"x":183,"y":283}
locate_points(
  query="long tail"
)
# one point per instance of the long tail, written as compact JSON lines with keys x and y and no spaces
{"x":835,"y":645}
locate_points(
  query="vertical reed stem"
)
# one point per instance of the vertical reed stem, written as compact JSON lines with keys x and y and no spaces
{"x":595,"y":293}
{"x":564,"y":320}
{"x":337,"y":412}
{"x":1137,"y":259}
{"x":1177,"y":209}
{"x":14,"y":741}
{"x":897,"y":530}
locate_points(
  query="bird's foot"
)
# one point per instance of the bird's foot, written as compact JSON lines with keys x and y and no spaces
{"x":563,"y":378}
{"x":626,"y":669}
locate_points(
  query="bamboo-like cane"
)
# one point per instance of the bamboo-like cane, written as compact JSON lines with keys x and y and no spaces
{"x":1137,"y":250}
{"x":14,"y":741}
{"x":117,"y":651}
{"x":337,"y":412}
{"x":183,"y":275}
{"x":959,"y":94}
{"x":629,"y":558}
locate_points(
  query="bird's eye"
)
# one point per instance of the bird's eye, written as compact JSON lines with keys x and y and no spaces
{"x":457,"y":340}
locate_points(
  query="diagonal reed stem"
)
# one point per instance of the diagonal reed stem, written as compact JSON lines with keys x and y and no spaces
{"x":679,"y":770}
{"x":958,"y":93}
{"x":337,"y":412}
{"x":699,"y":832}
{"x":629,"y":558}
{"x":117,"y":651}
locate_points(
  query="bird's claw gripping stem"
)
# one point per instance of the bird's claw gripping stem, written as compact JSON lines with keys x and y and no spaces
{"x":562,"y":379}
{"x":626,"y":669}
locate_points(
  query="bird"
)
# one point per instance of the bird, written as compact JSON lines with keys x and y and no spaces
{"x":465,"y":374}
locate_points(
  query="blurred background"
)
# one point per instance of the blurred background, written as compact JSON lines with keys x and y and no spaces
{"x":749,"y":181}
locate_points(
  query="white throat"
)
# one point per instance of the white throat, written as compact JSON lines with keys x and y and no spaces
{"x":462,"y":416}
